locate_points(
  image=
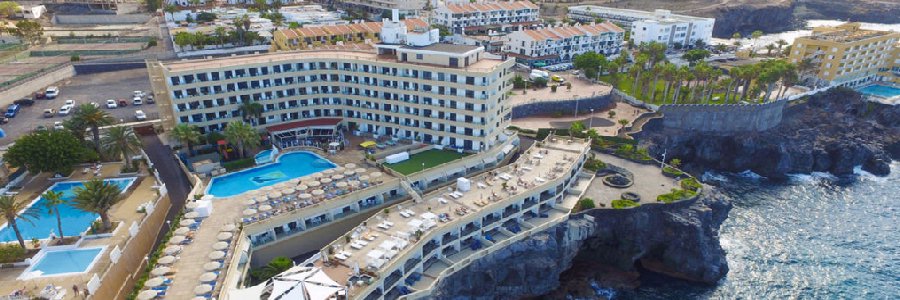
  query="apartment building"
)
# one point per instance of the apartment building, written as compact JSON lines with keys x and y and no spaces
{"x":846,"y":54}
{"x":660,"y":25}
{"x":553,"y":45}
{"x":311,"y":37}
{"x":891,"y":70}
{"x":378,"y":9}
{"x":409,"y":88}
{"x":478,"y":18}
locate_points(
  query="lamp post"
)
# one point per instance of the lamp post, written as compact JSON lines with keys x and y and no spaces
{"x":591,"y":120}
{"x":576,"y":106}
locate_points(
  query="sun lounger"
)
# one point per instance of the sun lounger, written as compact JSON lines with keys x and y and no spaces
{"x":441,"y":200}
{"x":389,"y":223}
{"x":340,"y":256}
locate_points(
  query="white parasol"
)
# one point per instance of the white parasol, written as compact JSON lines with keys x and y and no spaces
{"x":154,"y":282}
{"x":172,"y":249}
{"x":325,"y":180}
{"x":318,"y":192}
{"x":166,"y":260}
{"x":203,"y":289}
{"x":354,"y":183}
{"x":159,"y":271}
{"x":208,"y":276}
{"x":249,"y":212}
{"x":305,"y":196}
{"x":337,"y":177}
{"x":182,"y":230}
{"x":250,"y":202}
{"x":220,"y":246}
{"x":265,"y":207}
{"x":224,"y":236}
{"x":147,"y":294}
{"x":229,"y":227}
{"x":216,"y":255}
{"x":192,"y":215}
{"x":176,"y":239}
{"x":212,"y":266}
{"x":341,"y":184}
{"x":187,"y":222}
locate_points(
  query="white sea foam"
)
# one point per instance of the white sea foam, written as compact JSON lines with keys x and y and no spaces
{"x":749,"y":175}
{"x":813,"y":177}
{"x":710,"y":176}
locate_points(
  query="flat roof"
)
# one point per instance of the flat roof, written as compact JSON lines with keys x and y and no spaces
{"x":633,"y":13}
{"x":449,"y":48}
{"x":305,"y":123}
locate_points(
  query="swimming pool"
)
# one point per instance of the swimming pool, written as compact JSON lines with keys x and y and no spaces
{"x":61,"y":262}
{"x":287,"y":166}
{"x":74,"y":221}
{"x":879,"y":90}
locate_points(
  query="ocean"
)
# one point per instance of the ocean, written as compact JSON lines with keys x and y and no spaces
{"x":815,"y":237}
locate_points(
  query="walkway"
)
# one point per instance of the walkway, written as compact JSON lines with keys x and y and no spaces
{"x":649,"y":182}
{"x":170,"y":172}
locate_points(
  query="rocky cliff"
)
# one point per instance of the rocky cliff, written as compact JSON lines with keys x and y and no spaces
{"x":833,"y":132}
{"x":679,"y":240}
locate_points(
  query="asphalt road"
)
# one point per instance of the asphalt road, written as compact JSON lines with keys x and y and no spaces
{"x":175,"y":180}
{"x":84,"y":89}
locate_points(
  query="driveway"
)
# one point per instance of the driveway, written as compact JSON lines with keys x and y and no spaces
{"x":170,"y":172}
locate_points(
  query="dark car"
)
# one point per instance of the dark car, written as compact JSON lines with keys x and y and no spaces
{"x":12,"y":110}
{"x":40,"y":95}
{"x":123,"y":103}
{"x":24,"y":102}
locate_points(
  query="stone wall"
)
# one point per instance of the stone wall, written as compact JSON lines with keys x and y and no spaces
{"x":566,"y":107}
{"x":26,"y":87}
{"x":92,"y":68}
{"x":723,"y":118}
{"x":100,"y":19}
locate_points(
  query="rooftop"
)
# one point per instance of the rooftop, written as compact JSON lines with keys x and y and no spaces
{"x":564,"y":32}
{"x":448,"y":48}
{"x":489,"y":6}
{"x":633,"y":13}
{"x":847,"y":33}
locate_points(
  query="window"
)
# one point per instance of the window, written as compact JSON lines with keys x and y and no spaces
{"x":419,"y":56}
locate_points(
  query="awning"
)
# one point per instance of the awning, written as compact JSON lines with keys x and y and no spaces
{"x":367,"y":144}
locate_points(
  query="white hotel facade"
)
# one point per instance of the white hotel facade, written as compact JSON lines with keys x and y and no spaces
{"x":560,"y":44}
{"x":484,"y":16}
{"x":660,"y":26}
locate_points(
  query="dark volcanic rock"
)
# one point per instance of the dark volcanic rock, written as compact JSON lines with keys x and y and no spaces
{"x":834,"y":132}
{"x":678,"y":239}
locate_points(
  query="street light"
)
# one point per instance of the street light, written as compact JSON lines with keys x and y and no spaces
{"x":591,"y":120}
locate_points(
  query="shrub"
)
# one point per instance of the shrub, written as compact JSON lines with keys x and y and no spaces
{"x":238,"y":164}
{"x":584,"y":204}
{"x":74,"y":57}
{"x":691,"y":184}
{"x":672,"y":171}
{"x":595,"y":165}
{"x":622,"y":204}
{"x":675,"y":195}
{"x":151,"y":43}
{"x":10,"y":253}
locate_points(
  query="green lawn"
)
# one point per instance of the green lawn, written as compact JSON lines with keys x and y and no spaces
{"x":626,"y":83}
{"x":431,"y":158}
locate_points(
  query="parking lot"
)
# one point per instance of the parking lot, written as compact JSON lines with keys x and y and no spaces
{"x":84,"y":89}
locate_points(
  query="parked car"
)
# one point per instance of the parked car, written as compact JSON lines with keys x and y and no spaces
{"x":95,"y":104}
{"x":138,"y":94}
{"x":66,"y":109}
{"x":40,"y":95}
{"x":111,"y":104}
{"x":69,"y":102}
{"x":24,"y":102}
{"x":52,"y":92}
{"x":123,"y":103}
{"x":137,"y":101}
{"x":4,"y":120}
{"x":150,"y":99}
{"x":12,"y":110}
{"x":49,"y":113}
{"x":140,"y":115}
{"x":58,"y":125}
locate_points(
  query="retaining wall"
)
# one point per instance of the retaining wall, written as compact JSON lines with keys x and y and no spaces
{"x":100,"y":19}
{"x":723,"y":118}
{"x":26,"y":87}
{"x":566,"y":107}
{"x":92,"y":68}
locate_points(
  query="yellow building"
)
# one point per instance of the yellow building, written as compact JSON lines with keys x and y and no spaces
{"x":891,"y":71}
{"x":324,"y":36}
{"x":846,"y":54}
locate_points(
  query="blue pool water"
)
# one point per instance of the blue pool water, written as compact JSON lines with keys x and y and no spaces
{"x":74,"y":221}
{"x":881,"y":91}
{"x":66,"y":261}
{"x":288,"y":166}
{"x":263,"y":156}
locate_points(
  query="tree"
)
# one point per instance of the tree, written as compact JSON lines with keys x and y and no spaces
{"x":623,"y":122}
{"x":769,"y":49}
{"x":93,"y":118}
{"x":675,"y":163}
{"x":46,"y":151}
{"x":14,"y":210}
{"x":241,"y":135}
{"x":121,"y":141}
{"x":442,"y":30}
{"x":591,"y":63}
{"x":185,"y":38}
{"x":98,"y":196}
{"x":250,"y":109}
{"x":171,"y":9}
{"x":8,"y":8}
{"x":669,"y":73}
{"x":781,"y":43}
{"x":539,"y":82}
{"x":611,"y":114}
{"x":29,"y":31}
{"x":274,"y":267}
{"x":220,"y":33}
{"x":52,"y":201}
{"x":695,"y":55}
{"x":736,"y":36}
{"x":576,"y":127}
{"x":637,"y":69}
{"x":187,"y":135}
{"x":655,"y":51}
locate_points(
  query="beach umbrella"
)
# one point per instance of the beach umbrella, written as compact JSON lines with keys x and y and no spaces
{"x":155,"y":281}
{"x":288,"y":191}
{"x":249,"y":212}
{"x":187,"y":222}
{"x":182,"y":230}
{"x":265,"y":207}
{"x":191,"y":205}
{"x":281,"y":185}
{"x":274,"y":195}
{"x":267,"y":188}
{"x":172,"y":249}
{"x":199,"y":298}
{"x":364,"y":178}
{"x":192,"y":215}
{"x":305,"y":196}
{"x":349,"y":173}
{"x":354,"y":183}
{"x":375,"y":175}
{"x":318,"y":192}
{"x":229,"y":227}
{"x":294,"y":181}
{"x":254,"y":193}
{"x":325,"y":180}
{"x":212,"y":266}
{"x":341,"y":184}
{"x":203,"y":289}
{"x":176,"y":239}
{"x":224,"y":236}
{"x":216,"y":255}
{"x":328,"y":172}
{"x":250,"y":202}
{"x":208,"y":276}
{"x":220,"y":246}
{"x":360,"y":170}
{"x":339,"y":169}
{"x":350,"y":165}
{"x":337,"y":177}
{"x":302,"y":187}
{"x":159,"y":271}
{"x":316,"y":175}
{"x":147,"y":295}
{"x":313,"y":184}
{"x":165,"y":260}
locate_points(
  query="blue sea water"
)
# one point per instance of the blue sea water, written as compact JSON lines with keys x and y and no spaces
{"x":812,"y":238}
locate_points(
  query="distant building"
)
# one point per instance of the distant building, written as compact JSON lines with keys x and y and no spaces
{"x":891,"y":70}
{"x":377,"y":10}
{"x":31,"y":12}
{"x":846,"y":54}
{"x":560,"y":44}
{"x":660,"y":26}
{"x":312,"y":14}
{"x":481,"y":17}
{"x":311,"y":37}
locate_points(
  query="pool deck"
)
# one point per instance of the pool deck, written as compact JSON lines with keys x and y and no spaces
{"x":124,"y":212}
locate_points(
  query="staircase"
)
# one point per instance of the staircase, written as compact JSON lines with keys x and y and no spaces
{"x":411,"y":191}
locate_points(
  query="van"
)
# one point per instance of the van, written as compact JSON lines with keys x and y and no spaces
{"x":137,"y":101}
{"x":52,"y":92}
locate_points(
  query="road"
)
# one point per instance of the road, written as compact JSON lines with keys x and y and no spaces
{"x":84,"y":89}
{"x":170,"y":172}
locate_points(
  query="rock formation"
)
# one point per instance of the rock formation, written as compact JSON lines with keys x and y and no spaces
{"x":678,"y":239}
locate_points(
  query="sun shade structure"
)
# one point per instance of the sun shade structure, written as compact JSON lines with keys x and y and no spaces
{"x":300,"y":283}
{"x":367,"y":144}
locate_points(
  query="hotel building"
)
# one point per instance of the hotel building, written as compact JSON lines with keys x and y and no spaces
{"x":891,"y":71}
{"x":553,"y":45}
{"x":410,"y":88}
{"x":311,"y":37}
{"x":660,"y":26}
{"x":472,"y":18}
{"x":846,"y":54}
{"x":378,"y":9}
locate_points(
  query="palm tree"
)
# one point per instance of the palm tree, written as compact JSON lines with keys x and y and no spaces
{"x":669,"y":71}
{"x":220,"y":34}
{"x":769,"y":49}
{"x":251,"y":109}
{"x":638,"y":67}
{"x":656,"y":70}
{"x":187,"y":135}
{"x":98,"y":196}
{"x":13,"y":210}
{"x":121,"y":141}
{"x":93,"y":118}
{"x":52,"y":201}
{"x":242,"y":135}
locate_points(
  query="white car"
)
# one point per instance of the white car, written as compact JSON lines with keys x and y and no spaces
{"x":140,"y":115}
{"x":58,"y":125}
{"x":70,"y":102}
{"x":51,"y":92}
{"x":111,"y":104}
{"x":138,"y":94}
{"x":137,"y":101}
{"x":95,"y":104}
{"x":66,"y":109}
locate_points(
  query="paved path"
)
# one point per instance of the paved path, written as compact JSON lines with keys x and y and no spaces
{"x":649,"y":182}
{"x":170,"y":172}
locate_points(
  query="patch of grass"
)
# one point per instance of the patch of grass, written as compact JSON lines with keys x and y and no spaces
{"x":584,"y":204}
{"x":691,"y":184}
{"x":238,"y":164}
{"x":430,"y":158}
{"x":594,"y":164}
{"x":675,"y":195}
{"x":622,"y":204}
{"x":672,"y":171}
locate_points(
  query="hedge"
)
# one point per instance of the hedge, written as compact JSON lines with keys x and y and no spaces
{"x":238,"y":164}
{"x":622,"y":204}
